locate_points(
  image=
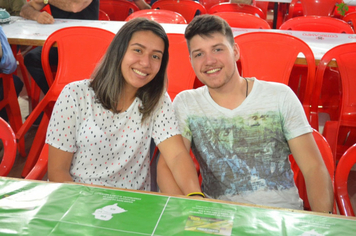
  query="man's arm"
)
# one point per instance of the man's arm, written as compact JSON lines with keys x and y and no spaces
{"x":7,"y":60}
{"x":181,"y":177}
{"x":70,"y":5}
{"x":31,"y":10}
{"x":165,"y":179}
{"x":59,"y":163}
{"x":317,"y":179}
{"x":142,"y":4}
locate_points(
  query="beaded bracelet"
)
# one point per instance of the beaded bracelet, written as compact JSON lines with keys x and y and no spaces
{"x":196,"y":194}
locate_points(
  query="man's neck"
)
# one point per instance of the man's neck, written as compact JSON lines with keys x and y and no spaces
{"x":232,"y":94}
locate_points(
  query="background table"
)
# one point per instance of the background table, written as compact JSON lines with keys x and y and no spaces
{"x":43,"y":208}
{"x":26,"y":32}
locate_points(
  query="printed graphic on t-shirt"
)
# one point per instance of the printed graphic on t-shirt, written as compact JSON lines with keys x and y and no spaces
{"x":241,"y":155}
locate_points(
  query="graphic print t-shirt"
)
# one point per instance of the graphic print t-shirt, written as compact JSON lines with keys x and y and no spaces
{"x":243,"y":153}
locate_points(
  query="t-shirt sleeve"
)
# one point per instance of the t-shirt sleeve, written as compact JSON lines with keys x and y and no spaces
{"x":165,"y":123}
{"x":181,"y":111}
{"x":295,"y":122}
{"x":61,"y":131}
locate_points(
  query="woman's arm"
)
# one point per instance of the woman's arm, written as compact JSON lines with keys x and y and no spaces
{"x":181,"y":177}
{"x":165,"y":179}
{"x":59,"y":163}
{"x":317,"y":179}
{"x":142,"y":4}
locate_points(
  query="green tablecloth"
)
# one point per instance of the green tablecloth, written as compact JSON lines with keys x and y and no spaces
{"x":42,"y":208}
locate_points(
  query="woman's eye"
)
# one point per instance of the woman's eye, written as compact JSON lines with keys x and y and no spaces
{"x":137,"y":50}
{"x":156,"y":57}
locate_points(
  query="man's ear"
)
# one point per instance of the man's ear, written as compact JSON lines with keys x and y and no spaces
{"x":236,"y":52}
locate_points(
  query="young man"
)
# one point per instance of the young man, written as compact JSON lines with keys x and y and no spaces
{"x":242,"y":130}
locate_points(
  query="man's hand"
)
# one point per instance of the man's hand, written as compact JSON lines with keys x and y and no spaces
{"x":44,"y":18}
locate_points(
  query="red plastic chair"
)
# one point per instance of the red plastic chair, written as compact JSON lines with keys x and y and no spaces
{"x":76,"y":61}
{"x":295,"y":9}
{"x":318,"y":7}
{"x":180,"y":73}
{"x":103,"y":15}
{"x":347,"y":161}
{"x":187,"y":8}
{"x":118,"y":10}
{"x":327,"y":155}
{"x":271,"y":56}
{"x":209,"y":3}
{"x":41,"y":166}
{"x":159,"y":15}
{"x":11,"y":104}
{"x":350,"y":18}
{"x":244,"y":8}
{"x":317,"y":24}
{"x":243,"y":20}
{"x":340,"y":133}
{"x":8,"y":139}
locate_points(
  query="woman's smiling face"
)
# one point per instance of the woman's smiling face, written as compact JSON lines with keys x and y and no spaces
{"x":142,"y":59}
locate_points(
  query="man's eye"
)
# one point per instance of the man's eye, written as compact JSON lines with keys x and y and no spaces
{"x":197,"y":55}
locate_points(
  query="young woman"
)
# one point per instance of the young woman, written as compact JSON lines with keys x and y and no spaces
{"x":101,"y":128}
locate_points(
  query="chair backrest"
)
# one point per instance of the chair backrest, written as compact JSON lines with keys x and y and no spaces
{"x":243,"y":20}
{"x":180,"y":73}
{"x":319,"y":8}
{"x":209,"y":3}
{"x":187,"y":8}
{"x":295,"y":9}
{"x":103,"y":15}
{"x":328,"y":158}
{"x":271,"y":56}
{"x":118,"y":10}
{"x":40,"y":168}
{"x":350,"y":18}
{"x":244,"y":8}
{"x":159,"y":15}
{"x":8,"y":139}
{"x":345,"y":56}
{"x":347,"y":161}
{"x":317,"y":24}
{"x":76,"y":56}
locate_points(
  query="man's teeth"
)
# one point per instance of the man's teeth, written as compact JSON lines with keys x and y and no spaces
{"x":139,"y":72}
{"x":212,"y":71}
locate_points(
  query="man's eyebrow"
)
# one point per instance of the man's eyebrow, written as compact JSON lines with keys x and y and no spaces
{"x":214,"y":46}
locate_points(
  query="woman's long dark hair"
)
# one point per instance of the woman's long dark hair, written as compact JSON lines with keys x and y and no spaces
{"x":108,"y":81}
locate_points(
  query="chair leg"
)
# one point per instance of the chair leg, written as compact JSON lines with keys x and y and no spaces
{"x":37,"y":146}
{"x":10,"y":102}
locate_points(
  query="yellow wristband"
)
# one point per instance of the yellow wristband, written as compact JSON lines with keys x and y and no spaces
{"x":45,"y":1}
{"x":196,"y":194}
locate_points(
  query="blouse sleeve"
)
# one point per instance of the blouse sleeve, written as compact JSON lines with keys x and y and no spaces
{"x":61,"y":131}
{"x":165,"y":124}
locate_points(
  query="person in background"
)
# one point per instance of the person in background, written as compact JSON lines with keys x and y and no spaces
{"x":8,"y":65}
{"x":13,"y":7}
{"x":65,"y":9}
{"x":242,"y":130}
{"x":101,"y":128}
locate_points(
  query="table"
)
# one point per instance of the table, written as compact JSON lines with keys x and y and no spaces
{"x":27,"y":32}
{"x":44,"y":208}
